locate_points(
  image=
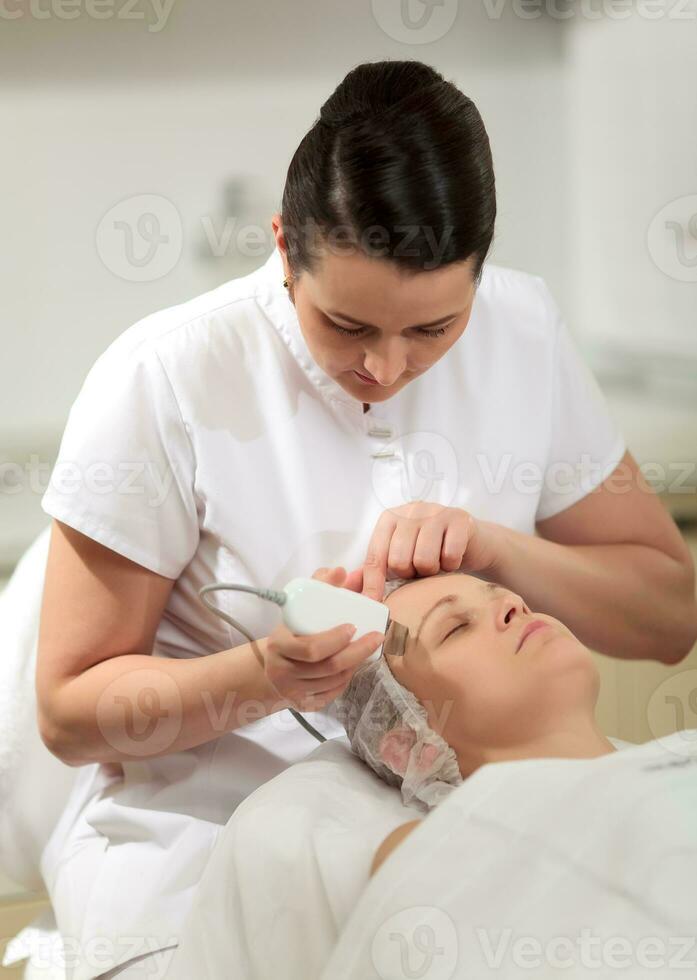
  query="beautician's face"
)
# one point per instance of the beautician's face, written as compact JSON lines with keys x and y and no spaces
{"x":403,"y":323}
{"x":480,"y":690}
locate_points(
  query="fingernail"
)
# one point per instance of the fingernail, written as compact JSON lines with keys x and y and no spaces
{"x":350,"y":630}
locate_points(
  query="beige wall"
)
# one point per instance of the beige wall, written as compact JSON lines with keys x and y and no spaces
{"x":641,"y":700}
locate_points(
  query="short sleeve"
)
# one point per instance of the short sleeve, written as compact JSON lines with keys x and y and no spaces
{"x":585,"y":443}
{"x":125,"y":469}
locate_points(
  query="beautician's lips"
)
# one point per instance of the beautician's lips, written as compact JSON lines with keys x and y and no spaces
{"x":369,"y":381}
{"x":530,"y":628}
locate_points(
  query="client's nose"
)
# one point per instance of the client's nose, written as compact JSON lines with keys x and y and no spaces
{"x":510,"y":608}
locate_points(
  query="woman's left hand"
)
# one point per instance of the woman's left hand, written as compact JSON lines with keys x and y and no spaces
{"x":424,"y":538}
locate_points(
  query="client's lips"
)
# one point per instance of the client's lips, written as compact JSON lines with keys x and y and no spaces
{"x":536,"y":624}
{"x":365,"y":378}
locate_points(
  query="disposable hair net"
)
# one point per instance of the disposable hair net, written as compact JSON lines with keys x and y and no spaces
{"x":387,"y":727}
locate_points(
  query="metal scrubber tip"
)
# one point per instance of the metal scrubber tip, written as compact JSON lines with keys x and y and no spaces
{"x":395,"y":639}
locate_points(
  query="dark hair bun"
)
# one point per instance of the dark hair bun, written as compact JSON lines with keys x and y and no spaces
{"x":395,"y":147}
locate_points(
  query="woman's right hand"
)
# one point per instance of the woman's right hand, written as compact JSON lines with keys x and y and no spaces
{"x":310,"y":671}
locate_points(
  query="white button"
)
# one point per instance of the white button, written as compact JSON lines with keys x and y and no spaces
{"x":384,"y":433}
{"x":383,"y":453}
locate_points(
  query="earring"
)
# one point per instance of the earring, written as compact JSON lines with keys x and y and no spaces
{"x":286,"y":282}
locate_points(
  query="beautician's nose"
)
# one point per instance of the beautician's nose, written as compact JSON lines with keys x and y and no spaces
{"x":510,"y":608}
{"x":388,"y":363}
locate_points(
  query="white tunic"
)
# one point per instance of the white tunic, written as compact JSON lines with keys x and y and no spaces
{"x":206,"y":444}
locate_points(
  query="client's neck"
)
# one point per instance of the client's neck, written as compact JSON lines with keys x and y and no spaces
{"x":579,"y":738}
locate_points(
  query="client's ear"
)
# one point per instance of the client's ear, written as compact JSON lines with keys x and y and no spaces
{"x":395,"y":747}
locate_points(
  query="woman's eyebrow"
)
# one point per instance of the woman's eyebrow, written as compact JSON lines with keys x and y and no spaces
{"x":493,"y":586}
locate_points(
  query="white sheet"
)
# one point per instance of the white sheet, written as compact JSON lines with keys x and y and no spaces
{"x":287,"y":871}
{"x":286,"y":891}
{"x":530,"y":864}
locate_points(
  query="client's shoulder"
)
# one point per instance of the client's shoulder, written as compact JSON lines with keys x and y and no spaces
{"x":393,"y":840}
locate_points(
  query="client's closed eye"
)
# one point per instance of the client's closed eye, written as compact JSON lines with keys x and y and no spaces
{"x":464,"y":623}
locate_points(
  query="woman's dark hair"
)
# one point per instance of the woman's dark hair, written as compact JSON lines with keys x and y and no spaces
{"x":399,"y":165}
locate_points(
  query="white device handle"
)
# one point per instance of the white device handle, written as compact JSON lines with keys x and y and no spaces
{"x":312,"y":606}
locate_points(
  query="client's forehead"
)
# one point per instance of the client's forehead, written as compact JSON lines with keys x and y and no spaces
{"x":414,"y":598}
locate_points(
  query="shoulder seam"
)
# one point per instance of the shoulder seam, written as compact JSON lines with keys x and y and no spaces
{"x":150,"y":342}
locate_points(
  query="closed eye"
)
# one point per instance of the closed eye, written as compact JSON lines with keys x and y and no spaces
{"x":423,"y":331}
{"x":460,"y":626}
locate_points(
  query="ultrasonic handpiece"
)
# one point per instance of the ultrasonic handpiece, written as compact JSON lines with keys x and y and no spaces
{"x":312,"y":606}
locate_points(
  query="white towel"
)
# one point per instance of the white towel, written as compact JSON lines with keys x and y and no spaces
{"x":28,"y":813}
{"x":20,"y":604}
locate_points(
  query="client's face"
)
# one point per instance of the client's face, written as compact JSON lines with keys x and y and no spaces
{"x":483,"y":690}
